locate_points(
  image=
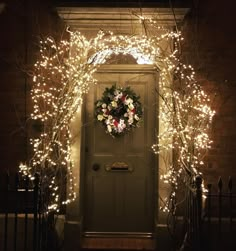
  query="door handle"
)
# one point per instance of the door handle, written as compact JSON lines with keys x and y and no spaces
{"x":96,"y":167}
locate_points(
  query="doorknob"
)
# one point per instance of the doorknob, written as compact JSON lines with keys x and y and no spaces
{"x":96,"y":167}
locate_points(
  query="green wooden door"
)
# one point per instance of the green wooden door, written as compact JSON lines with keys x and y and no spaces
{"x":120,"y":201}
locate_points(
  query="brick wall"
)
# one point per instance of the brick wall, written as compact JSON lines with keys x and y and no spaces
{"x":210,"y":46}
{"x":21,"y":25}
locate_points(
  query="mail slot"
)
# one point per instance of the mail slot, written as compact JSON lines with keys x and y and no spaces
{"x":115,"y":168}
{"x":118,"y":167}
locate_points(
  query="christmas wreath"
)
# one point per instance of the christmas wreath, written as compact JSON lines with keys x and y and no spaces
{"x":119,"y":110}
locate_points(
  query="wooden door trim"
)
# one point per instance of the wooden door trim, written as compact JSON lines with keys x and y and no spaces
{"x":127,"y":68}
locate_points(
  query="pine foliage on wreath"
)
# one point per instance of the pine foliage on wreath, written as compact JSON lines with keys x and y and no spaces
{"x":119,"y":110}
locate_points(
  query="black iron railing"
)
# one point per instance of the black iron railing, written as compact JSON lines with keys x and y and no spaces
{"x":209,"y":221}
{"x":209,"y":217}
{"x":24,"y":223}
{"x":219,"y":214}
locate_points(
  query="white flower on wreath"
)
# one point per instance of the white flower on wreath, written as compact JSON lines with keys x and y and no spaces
{"x":109,"y":129}
{"x":100,"y":117}
{"x":116,"y":92}
{"x":121,"y":125}
{"x":131,"y":106}
{"x":130,"y":120}
{"x":136,"y":117}
{"x":128,"y":101}
{"x":114,"y":104}
{"x":104,"y":105}
{"x":130,"y":113}
{"x":118,"y":96}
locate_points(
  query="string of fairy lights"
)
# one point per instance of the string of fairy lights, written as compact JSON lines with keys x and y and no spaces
{"x":65,"y":71}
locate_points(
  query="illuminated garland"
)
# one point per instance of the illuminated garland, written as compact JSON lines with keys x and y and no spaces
{"x":64,"y":72}
{"x":119,"y":110}
{"x":186,"y":117}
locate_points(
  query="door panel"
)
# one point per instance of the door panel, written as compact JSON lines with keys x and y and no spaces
{"x":120,"y":199}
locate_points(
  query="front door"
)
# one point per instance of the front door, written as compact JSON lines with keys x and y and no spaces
{"x":119,"y":172}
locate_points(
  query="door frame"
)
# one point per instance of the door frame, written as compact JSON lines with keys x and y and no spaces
{"x":122,"y":68}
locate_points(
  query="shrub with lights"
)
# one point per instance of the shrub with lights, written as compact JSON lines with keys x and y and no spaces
{"x":65,"y":71}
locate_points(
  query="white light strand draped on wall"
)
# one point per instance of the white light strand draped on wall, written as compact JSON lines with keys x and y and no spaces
{"x":65,"y":71}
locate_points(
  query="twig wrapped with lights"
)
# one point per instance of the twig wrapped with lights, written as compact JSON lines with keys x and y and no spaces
{"x":64,"y":72}
{"x":186,"y":117}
